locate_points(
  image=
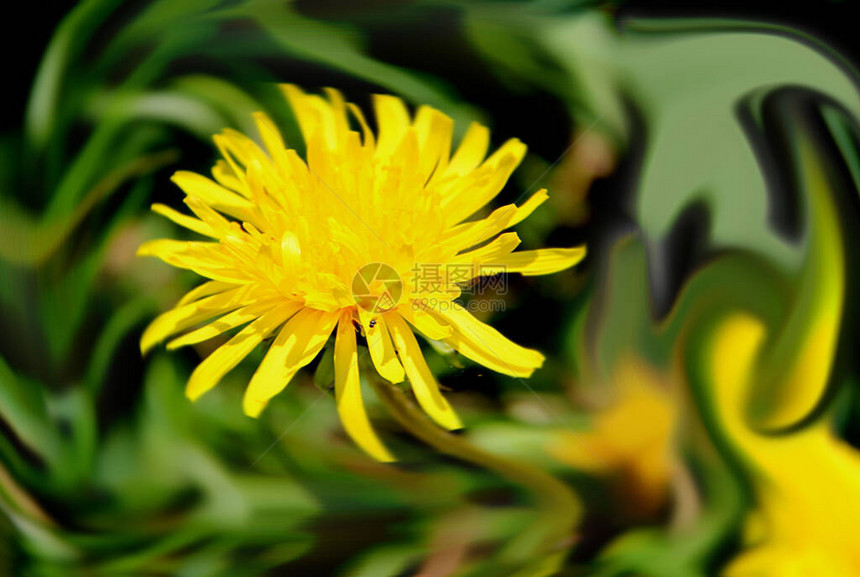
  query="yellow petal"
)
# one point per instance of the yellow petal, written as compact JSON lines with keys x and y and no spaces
{"x":499,"y":247}
{"x":469,"y":234}
{"x":241,"y":184}
{"x":380,"y":346}
{"x":528,"y":207}
{"x":534,"y":262}
{"x":213,"y":194}
{"x":487,"y":346}
{"x":472,"y":150}
{"x":204,"y":258}
{"x":235,"y":145}
{"x":230,"y":321}
{"x":298,"y":102}
{"x":170,"y":250}
{"x":291,"y":255}
{"x":347,"y":387}
{"x":224,"y":175}
{"x":260,"y":181}
{"x":369,"y":141}
{"x":206,"y":289}
{"x":465,"y":198}
{"x":224,"y":358}
{"x":393,"y":120}
{"x":429,"y":326}
{"x":434,"y":131}
{"x":512,"y":148}
{"x":186,"y":316}
{"x":339,"y":118}
{"x":321,"y":122}
{"x":423,"y":384}
{"x":299,"y":341}
{"x":273,"y":141}
{"x":184,"y":220}
{"x":216,"y":222}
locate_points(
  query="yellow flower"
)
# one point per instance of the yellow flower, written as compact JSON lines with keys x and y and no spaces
{"x":631,"y":438}
{"x":353,"y":237}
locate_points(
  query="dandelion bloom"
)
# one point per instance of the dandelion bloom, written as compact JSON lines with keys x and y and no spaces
{"x":350,"y":238}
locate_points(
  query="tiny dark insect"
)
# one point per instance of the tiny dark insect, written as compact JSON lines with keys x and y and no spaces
{"x":372,"y":323}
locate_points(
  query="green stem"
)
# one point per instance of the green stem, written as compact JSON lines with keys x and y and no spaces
{"x":550,"y":534}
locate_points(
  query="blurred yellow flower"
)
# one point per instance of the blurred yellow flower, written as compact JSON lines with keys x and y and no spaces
{"x":630,"y":439}
{"x":370,"y":232}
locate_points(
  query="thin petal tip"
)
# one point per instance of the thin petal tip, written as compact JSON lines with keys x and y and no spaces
{"x":173,"y":345}
{"x":144,"y":250}
{"x":393,"y":376}
{"x":147,"y":341}
{"x":193,"y":392}
{"x":145,"y":347}
{"x":452,"y":422}
{"x":253,"y":407}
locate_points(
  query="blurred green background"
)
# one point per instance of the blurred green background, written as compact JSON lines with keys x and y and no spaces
{"x":708,"y":158}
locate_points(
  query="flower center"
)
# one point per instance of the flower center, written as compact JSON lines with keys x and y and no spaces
{"x":377,"y":287}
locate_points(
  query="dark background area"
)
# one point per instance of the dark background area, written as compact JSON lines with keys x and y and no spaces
{"x":833,"y":22}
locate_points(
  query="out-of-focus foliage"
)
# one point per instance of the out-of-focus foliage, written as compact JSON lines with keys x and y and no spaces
{"x":699,"y":396}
